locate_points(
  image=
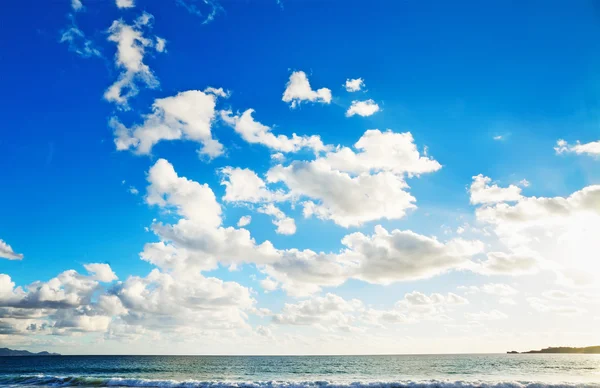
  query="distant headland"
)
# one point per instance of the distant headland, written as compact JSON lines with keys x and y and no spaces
{"x":564,"y":350}
{"x":11,"y":352}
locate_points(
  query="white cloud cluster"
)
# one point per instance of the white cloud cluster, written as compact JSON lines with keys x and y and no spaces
{"x":62,"y":306}
{"x":298,"y":89}
{"x":6,"y":252}
{"x":131,"y":49}
{"x":555,"y":233}
{"x":185,"y":116}
{"x":591,"y":148}
{"x":256,"y":133}
{"x":346,"y":186}
{"x":244,"y":185}
{"x":330,"y":312}
{"x":373,"y":177}
{"x":354,"y":85}
{"x":483,"y":193}
{"x":285,"y":225}
{"x":362,"y":108}
{"x":497,"y":289}
{"x":244,"y":221}
{"x":125,"y":3}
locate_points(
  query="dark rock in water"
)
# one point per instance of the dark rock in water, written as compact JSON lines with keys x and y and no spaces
{"x":513,"y":352}
{"x":11,"y":352}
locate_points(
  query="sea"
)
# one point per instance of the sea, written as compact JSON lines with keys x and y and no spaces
{"x":385,"y":371}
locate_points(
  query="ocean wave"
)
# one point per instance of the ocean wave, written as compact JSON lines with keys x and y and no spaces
{"x":91,"y":381}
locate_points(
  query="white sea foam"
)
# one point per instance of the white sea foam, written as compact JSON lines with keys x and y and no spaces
{"x":73,"y":381}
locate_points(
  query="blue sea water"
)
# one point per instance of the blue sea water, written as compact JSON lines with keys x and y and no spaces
{"x":444,"y":371}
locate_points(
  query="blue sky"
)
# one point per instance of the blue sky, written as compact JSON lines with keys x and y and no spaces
{"x":482,"y":88}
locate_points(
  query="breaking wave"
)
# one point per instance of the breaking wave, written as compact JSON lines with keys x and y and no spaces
{"x":90,"y":381}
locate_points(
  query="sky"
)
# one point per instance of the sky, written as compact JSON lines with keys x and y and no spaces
{"x":299,"y":177}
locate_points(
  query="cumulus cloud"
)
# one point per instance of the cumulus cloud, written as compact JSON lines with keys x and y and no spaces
{"x":256,"y":133}
{"x":501,"y":263}
{"x":6,"y":252}
{"x":330,"y":310}
{"x":244,"y":221}
{"x":483,"y":193}
{"x":346,"y":200}
{"x":498,"y":289}
{"x":354,"y":85}
{"x":298,"y":89}
{"x":372,"y":177}
{"x":100,"y":272}
{"x":386,"y":257}
{"x":382,"y":151}
{"x":129,"y":58}
{"x":67,"y":290}
{"x":125,"y":3}
{"x":160,"y":45}
{"x":591,"y":148}
{"x":362,"y":108}
{"x":559,"y":231}
{"x":285,"y":225}
{"x":381,"y":258}
{"x":185,"y":116}
{"x":244,"y":185}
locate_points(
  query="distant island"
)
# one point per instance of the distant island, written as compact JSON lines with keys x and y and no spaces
{"x":11,"y":352}
{"x":564,"y":350}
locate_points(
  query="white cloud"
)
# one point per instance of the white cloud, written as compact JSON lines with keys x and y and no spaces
{"x":592,"y":148}
{"x":330,"y":311}
{"x":187,"y":115}
{"x":482,"y":193}
{"x":498,"y":137}
{"x":131,"y":49}
{"x":77,"y":41}
{"x":243,"y":185}
{"x":125,"y":3}
{"x":77,"y":5}
{"x":191,"y":200}
{"x":558,"y":232}
{"x":387,"y":257}
{"x":498,"y":289}
{"x":500,"y":263}
{"x":285,"y":225}
{"x":298,"y":89}
{"x":133,"y":190}
{"x":346,"y":200}
{"x":362,"y":108}
{"x":354,"y":85}
{"x":161,"y":45}
{"x":196,"y":8}
{"x":524,"y":183}
{"x":100,"y":272}
{"x":382,"y":151}
{"x":545,"y":306}
{"x":256,"y":133}
{"x":373,"y":178}
{"x":382,"y":258}
{"x":486,"y":315}
{"x":6,"y":252}
{"x":244,"y":221}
